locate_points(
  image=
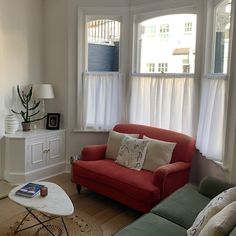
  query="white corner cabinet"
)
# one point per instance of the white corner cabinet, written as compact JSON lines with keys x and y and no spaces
{"x":33,"y":155}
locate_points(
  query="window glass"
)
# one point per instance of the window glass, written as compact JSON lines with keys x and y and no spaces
{"x":221,"y":35}
{"x":167,"y":41}
{"x":103,"y":37}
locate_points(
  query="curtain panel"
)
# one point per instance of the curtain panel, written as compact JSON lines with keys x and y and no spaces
{"x":212,"y":118}
{"x":167,"y":101}
{"x":102,"y":100}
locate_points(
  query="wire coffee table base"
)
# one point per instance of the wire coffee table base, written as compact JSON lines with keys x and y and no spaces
{"x":40,"y":222}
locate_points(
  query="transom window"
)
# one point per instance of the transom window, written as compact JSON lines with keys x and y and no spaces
{"x":103,"y":43}
{"x":221,"y":37}
{"x":180,"y":46}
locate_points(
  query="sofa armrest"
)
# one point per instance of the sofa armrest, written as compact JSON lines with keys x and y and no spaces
{"x":171,"y":177}
{"x":211,"y":187}
{"x":93,"y":152}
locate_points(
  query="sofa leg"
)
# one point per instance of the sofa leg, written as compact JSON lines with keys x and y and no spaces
{"x":78,"y":188}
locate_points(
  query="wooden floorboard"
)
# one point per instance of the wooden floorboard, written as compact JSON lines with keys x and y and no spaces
{"x":110,"y":215}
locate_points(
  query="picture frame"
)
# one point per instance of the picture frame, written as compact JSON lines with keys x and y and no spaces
{"x":53,"y":121}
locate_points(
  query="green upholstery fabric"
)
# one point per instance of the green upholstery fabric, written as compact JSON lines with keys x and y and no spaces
{"x":182,"y":207}
{"x":211,"y":187}
{"x":233,"y":233}
{"x":152,"y":225}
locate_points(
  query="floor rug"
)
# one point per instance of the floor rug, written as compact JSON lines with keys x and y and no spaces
{"x":78,"y":224}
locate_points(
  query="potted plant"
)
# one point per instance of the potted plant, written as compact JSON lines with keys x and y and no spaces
{"x":29,"y":108}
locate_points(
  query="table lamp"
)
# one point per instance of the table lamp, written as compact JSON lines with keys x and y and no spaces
{"x":42,"y":92}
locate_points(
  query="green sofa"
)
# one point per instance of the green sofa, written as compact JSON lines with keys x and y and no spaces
{"x":174,"y":215}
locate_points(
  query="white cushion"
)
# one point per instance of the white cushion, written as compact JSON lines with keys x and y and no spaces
{"x":114,"y":142}
{"x":132,"y":153}
{"x":158,"y":153}
{"x":213,"y":207}
{"x":222,"y":223}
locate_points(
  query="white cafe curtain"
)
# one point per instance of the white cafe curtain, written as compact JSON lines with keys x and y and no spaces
{"x":211,"y":125}
{"x":102,"y":102}
{"x":167,"y":101}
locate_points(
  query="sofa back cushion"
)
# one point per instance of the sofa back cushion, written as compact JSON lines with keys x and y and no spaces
{"x":185,"y":145}
{"x":222,"y":223}
{"x":158,"y":153}
{"x":114,"y":143}
{"x":213,"y":207}
{"x":132,"y":153}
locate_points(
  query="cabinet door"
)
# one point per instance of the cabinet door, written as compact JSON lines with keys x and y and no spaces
{"x":37,"y":152}
{"x":55,"y":149}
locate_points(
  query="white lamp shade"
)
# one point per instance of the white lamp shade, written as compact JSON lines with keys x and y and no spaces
{"x":43,"y":91}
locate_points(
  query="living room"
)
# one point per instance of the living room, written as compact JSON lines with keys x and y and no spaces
{"x":43,"y":41}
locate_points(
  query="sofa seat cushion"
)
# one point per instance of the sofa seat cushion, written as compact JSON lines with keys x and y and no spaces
{"x":136,"y":184}
{"x":183,"y":206}
{"x":152,"y":225}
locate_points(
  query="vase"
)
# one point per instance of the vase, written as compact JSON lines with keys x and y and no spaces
{"x":11,"y":124}
{"x":25,"y":126}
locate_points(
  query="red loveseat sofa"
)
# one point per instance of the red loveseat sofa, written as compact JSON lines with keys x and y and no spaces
{"x":142,"y":189}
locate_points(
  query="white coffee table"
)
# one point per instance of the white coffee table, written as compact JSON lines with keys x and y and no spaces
{"x":56,"y":203}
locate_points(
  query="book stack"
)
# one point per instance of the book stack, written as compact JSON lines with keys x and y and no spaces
{"x":29,"y":190}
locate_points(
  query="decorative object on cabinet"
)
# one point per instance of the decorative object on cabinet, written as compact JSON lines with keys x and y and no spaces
{"x":42,"y":92}
{"x":53,"y":121}
{"x":34,"y":155}
{"x":11,"y":124}
{"x":29,"y":111}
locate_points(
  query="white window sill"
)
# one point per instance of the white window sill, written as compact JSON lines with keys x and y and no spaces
{"x":89,"y":131}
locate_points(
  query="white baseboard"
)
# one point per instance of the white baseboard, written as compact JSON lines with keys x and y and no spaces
{"x":39,"y":174}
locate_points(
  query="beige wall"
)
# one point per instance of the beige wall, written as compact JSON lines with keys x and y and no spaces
{"x":21,"y":50}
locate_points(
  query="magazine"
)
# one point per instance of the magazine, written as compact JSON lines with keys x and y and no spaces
{"x":29,"y":190}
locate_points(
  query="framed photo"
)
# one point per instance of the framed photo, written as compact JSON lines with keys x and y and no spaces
{"x":53,"y":121}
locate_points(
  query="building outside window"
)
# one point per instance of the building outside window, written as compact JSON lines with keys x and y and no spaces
{"x":151,"y":31}
{"x":150,"y":67}
{"x":164,"y":32}
{"x":188,"y":27}
{"x":162,"y":67}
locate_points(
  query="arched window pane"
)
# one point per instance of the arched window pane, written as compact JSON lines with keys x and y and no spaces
{"x":167,"y":43}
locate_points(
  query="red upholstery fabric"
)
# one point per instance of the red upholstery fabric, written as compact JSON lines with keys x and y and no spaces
{"x":140,"y":190}
{"x":137,"y":184}
{"x":184,"y":149}
{"x":93,"y":152}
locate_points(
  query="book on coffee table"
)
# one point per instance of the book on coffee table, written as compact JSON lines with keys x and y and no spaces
{"x":29,"y":190}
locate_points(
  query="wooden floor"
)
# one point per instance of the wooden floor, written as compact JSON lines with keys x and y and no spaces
{"x":110,"y":215}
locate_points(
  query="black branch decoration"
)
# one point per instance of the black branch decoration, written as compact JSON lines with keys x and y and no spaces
{"x":29,"y":110}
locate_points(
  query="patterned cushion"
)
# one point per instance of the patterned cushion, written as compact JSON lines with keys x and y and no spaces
{"x":213,"y":207}
{"x":222,"y":223}
{"x":132,"y":153}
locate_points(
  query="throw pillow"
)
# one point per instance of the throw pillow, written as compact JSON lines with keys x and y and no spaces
{"x":158,"y":153}
{"x":132,"y":153}
{"x":222,"y":223}
{"x":114,"y":142}
{"x":213,"y":207}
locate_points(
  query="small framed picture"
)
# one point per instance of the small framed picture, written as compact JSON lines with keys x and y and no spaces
{"x":53,"y":121}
